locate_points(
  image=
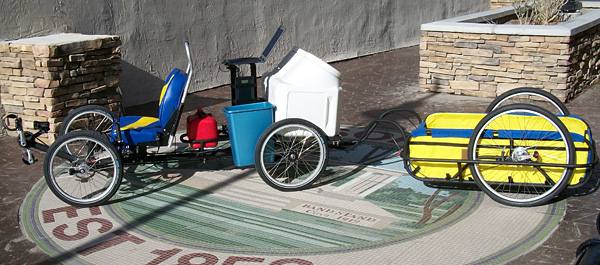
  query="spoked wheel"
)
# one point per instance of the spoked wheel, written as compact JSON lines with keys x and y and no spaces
{"x":89,"y":118}
{"x":83,"y":168}
{"x":522,"y":155}
{"x":532,"y":96}
{"x":291,"y":154}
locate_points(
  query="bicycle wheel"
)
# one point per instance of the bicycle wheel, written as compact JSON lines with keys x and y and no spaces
{"x":291,"y":154}
{"x":522,"y":155}
{"x":529,"y":95}
{"x":90,"y":118}
{"x":83,"y":168}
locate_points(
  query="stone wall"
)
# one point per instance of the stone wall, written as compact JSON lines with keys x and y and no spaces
{"x":43,"y":78}
{"x":487,"y":65}
{"x":584,"y":67}
{"x":500,"y":3}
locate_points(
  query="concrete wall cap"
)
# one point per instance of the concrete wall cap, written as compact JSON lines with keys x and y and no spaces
{"x":467,"y":24}
{"x":60,"y":38}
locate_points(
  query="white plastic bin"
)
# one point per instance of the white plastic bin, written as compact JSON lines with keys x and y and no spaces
{"x":304,"y":86}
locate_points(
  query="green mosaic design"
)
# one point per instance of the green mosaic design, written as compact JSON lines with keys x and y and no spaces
{"x":189,"y":216}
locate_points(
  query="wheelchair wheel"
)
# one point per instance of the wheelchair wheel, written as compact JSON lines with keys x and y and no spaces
{"x":90,"y":118}
{"x":529,"y":95}
{"x":291,"y":154}
{"x":83,"y":168}
{"x":522,"y":155}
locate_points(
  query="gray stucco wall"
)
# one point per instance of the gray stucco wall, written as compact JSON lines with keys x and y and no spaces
{"x":152,"y":31}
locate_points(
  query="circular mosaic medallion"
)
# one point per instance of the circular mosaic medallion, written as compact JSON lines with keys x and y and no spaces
{"x":209,"y":212}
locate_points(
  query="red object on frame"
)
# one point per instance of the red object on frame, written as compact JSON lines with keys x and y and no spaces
{"x":202,"y":126}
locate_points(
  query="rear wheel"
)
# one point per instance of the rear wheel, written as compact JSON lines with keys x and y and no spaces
{"x":82,"y":168}
{"x":291,"y":154}
{"x":522,"y":155}
{"x":90,"y":118}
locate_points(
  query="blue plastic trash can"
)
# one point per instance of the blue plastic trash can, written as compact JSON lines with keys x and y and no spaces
{"x":246,"y":123}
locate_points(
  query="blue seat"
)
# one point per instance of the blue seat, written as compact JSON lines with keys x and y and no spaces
{"x":142,"y":130}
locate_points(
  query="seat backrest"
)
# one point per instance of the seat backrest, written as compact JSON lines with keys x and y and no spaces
{"x":170,"y":96}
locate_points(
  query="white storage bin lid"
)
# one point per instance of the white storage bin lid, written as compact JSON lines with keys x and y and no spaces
{"x":307,"y":71}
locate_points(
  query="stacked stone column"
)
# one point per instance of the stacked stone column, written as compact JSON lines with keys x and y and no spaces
{"x":487,"y":65}
{"x":44,"y":78}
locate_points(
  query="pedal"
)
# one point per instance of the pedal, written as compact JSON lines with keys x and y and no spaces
{"x":28,"y":158}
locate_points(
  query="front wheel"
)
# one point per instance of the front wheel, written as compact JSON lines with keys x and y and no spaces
{"x":522,"y":155}
{"x":291,"y":154}
{"x":83,"y":169}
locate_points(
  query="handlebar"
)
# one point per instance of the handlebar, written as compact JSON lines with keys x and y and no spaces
{"x":6,"y":122}
{"x":18,"y":127}
{"x":27,"y":140}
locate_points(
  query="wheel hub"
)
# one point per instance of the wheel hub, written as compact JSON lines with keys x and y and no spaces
{"x":83,"y":168}
{"x":293,"y":156}
{"x":81,"y":171}
{"x":520,"y":154}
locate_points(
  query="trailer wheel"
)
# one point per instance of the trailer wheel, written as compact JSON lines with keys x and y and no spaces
{"x":522,"y":155}
{"x":529,"y":95}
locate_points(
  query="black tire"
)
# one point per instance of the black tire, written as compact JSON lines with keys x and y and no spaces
{"x":291,"y":154}
{"x":90,"y":118}
{"x":598,"y":223}
{"x":83,"y":168}
{"x":522,"y":153}
{"x":530,"y":96}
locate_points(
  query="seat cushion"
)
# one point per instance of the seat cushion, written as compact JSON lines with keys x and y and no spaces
{"x":138,"y":129}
